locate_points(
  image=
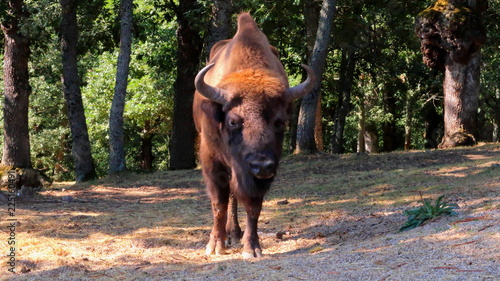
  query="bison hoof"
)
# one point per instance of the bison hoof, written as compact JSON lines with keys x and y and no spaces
{"x":250,"y":254}
{"x":234,"y":239}
{"x":215,"y":247}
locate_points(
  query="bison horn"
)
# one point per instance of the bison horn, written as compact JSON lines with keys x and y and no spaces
{"x":304,"y":87}
{"x":211,"y":93}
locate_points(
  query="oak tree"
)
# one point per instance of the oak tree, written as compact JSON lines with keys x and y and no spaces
{"x":452,"y":33}
{"x":82,"y":155}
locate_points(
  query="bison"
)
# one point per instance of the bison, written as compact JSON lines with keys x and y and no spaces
{"x":240,"y":108}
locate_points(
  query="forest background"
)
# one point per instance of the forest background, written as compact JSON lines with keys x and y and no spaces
{"x":395,"y":101}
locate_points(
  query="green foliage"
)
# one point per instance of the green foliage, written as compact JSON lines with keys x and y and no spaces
{"x":380,"y":33}
{"x":427,"y":211}
{"x":147,"y":110}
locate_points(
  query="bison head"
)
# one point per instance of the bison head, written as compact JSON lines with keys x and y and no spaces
{"x":254,"y":105}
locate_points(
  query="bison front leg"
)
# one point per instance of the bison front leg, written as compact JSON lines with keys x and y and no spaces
{"x":217,"y":243}
{"x":218,"y":191}
{"x":251,"y":245}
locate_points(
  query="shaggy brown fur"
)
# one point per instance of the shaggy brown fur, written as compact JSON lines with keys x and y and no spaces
{"x":241,"y":130}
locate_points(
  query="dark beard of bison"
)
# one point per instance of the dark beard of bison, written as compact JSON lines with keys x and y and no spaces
{"x":248,"y":184}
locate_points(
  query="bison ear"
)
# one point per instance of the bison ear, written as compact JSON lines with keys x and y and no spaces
{"x":218,"y":46}
{"x":275,"y":51}
{"x":213,"y":110}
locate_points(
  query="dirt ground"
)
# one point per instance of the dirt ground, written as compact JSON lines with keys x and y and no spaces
{"x":326,"y":218}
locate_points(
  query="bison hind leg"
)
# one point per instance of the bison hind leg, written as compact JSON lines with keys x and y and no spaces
{"x":233,"y":228}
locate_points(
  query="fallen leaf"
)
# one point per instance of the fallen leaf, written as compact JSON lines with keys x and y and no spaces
{"x":489,"y":225}
{"x":472,"y":219}
{"x":399,"y":265}
{"x":275,"y":267}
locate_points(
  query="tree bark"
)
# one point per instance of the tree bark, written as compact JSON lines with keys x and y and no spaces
{"x":147,"y":153}
{"x":116,"y":135}
{"x":82,"y":155}
{"x":220,"y":23}
{"x":307,"y":116}
{"x":389,"y":133}
{"x":344,"y":105}
{"x":182,"y":150}
{"x":371,"y":138}
{"x":493,"y":101}
{"x":461,"y":94}
{"x":433,"y":125}
{"x":16,"y":146}
{"x":452,"y":34}
{"x":361,"y":126}
{"x":311,"y":20}
{"x":410,"y":101}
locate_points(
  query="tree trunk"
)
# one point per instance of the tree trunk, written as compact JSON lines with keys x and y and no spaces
{"x":461,"y":93}
{"x":307,"y":116}
{"x":433,"y":125}
{"x":16,"y":146}
{"x":452,"y":34}
{"x":410,"y":101}
{"x":220,"y":23}
{"x":371,"y":137}
{"x":293,"y":119}
{"x":116,"y":135}
{"x":389,"y":134}
{"x":312,"y":9}
{"x":361,"y":127}
{"x":493,"y":101}
{"x":182,"y":150}
{"x":318,"y":127}
{"x":84,"y":164}
{"x":343,"y":107}
{"x":147,"y":153}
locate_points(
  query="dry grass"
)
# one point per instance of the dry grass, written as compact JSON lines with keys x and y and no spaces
{"x":327,"y":217}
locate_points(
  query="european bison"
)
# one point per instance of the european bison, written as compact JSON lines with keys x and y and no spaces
{"x":241,"y":106}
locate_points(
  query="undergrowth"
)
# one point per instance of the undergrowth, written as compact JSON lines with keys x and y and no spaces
{"x":427,"y":211}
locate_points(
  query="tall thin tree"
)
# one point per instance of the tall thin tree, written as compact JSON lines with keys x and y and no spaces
{"x":307,"y":116}
{"x":311,"y":13}
{"x":116,"y":135}
{"x":189,"y":46}
{"x":82,"y":155}
{"x":347,"y":67}
{"x":16,"y":145}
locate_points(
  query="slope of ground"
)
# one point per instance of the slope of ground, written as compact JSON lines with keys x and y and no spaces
{"x":326,"y":218}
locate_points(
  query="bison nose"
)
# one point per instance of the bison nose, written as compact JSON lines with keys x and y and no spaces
{"x":262,"y":167}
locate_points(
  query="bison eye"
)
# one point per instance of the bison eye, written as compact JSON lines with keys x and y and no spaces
{"x":234,"y":124}
{"x":279,"y":125}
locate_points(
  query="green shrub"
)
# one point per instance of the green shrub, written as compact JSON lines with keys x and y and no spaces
{"x":427,"y":211}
